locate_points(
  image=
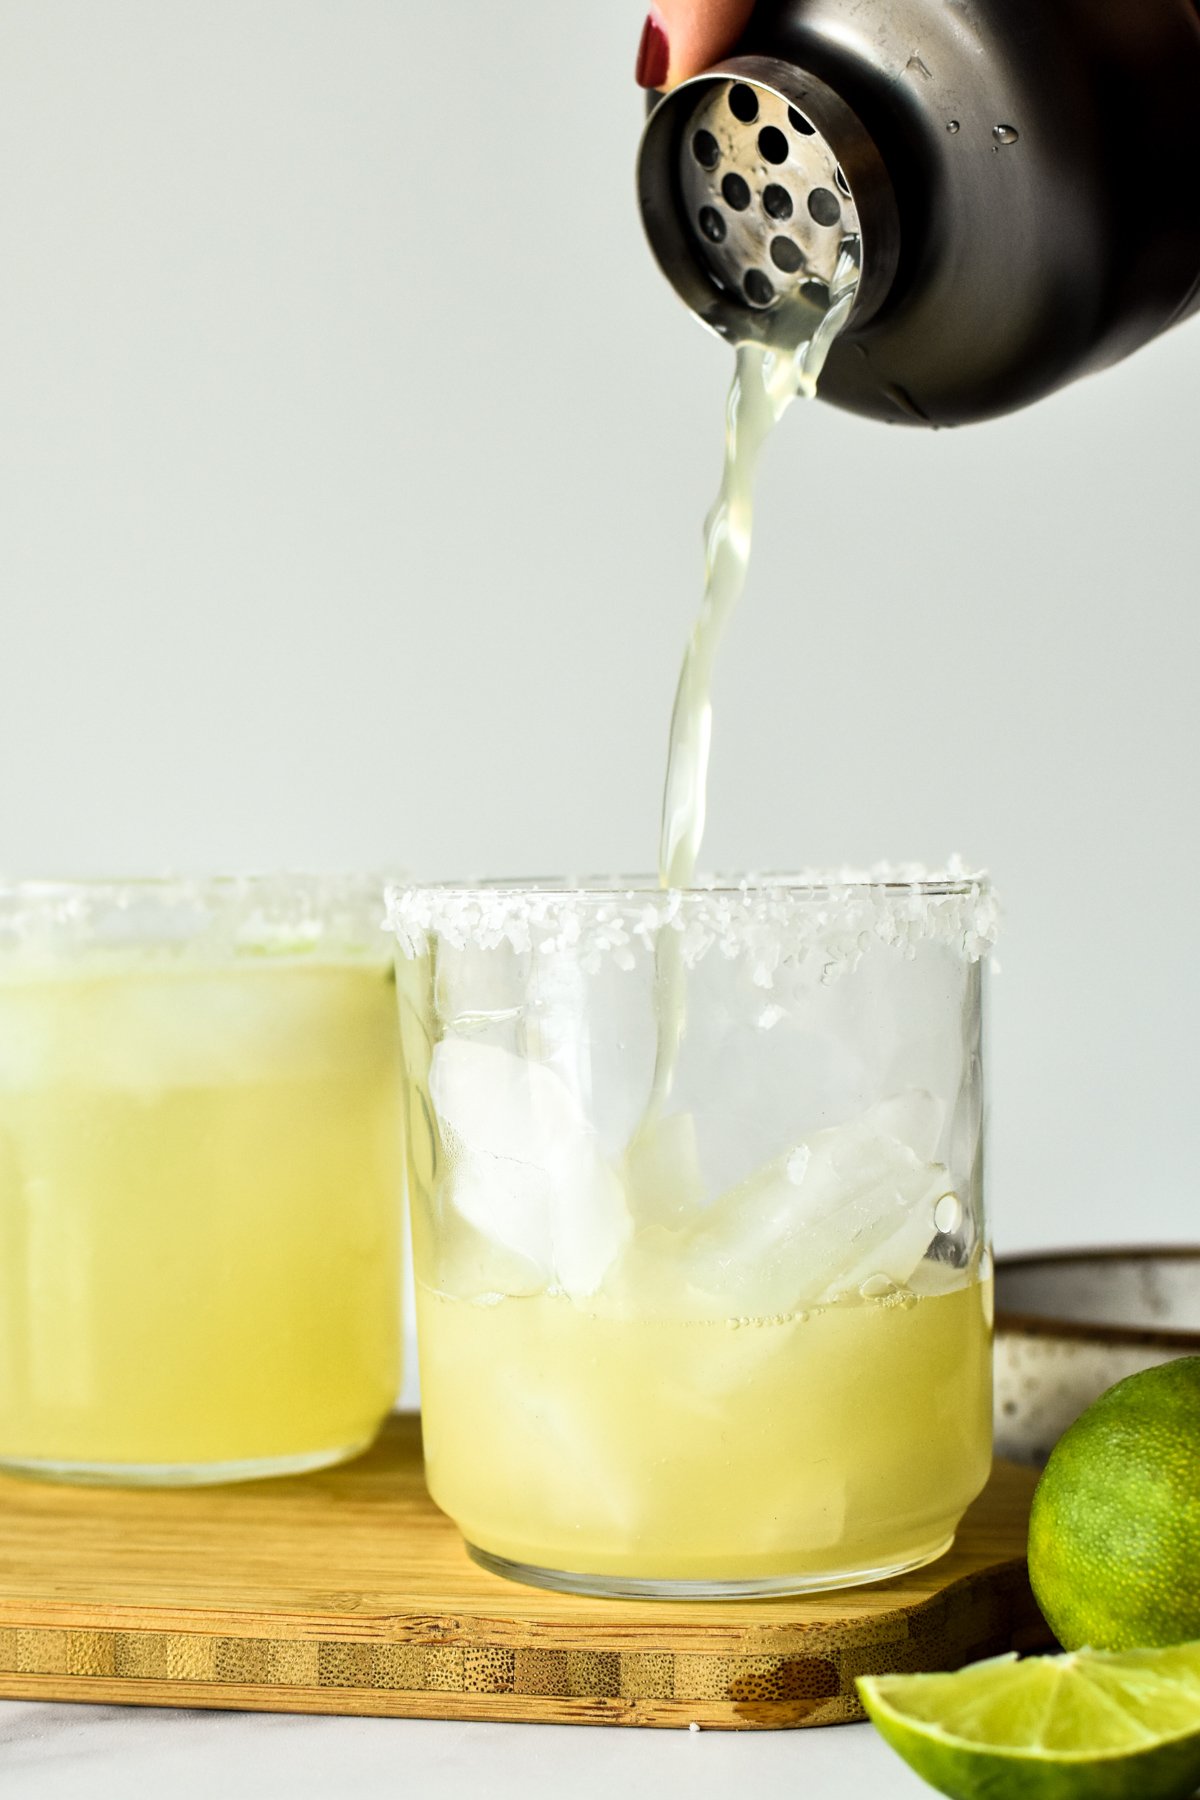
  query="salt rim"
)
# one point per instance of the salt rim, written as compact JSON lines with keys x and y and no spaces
{"x":47,"y":923}
{"x":831,"y":916}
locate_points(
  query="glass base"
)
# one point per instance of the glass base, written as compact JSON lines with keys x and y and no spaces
{"x":639,"y":1587}
{"x":172,"y":1475}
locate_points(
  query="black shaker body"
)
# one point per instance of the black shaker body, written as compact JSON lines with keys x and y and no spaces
{"x":1044,"y":172}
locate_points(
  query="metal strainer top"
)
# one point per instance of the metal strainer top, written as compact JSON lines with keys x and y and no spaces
{"x":765,"y":195}
{"x":759,"y":185}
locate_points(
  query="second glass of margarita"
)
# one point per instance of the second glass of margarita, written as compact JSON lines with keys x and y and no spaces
{"x":200,"y":1177}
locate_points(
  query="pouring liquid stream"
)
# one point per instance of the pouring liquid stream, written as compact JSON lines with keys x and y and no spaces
{"x":767,"y":378}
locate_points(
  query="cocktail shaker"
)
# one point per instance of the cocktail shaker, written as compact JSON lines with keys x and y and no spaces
{"x":1017,"y":180}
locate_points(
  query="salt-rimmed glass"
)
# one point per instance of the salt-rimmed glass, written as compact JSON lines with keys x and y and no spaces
{"x":200,"y":1176}
{"x":723,"y":1328}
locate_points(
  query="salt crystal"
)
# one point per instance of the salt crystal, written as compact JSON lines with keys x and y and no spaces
{"x":797,"y":1163}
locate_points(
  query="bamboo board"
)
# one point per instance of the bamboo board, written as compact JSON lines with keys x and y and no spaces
{"x":348,"y":1592}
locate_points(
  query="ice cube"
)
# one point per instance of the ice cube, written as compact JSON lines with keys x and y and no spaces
{"x":468,"y":1265}
{"x":914,"y":1118}
{"x":662,"y":1170}
{"x":842,"y":1206}
{"x":808,"y":1512}
{"x":524,"y":1167}
{"x":150,"y":1031}
{"x":30,"y":1051}
{"x":587,"y":1479}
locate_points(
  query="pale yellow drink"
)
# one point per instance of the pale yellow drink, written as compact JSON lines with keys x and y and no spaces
{"x":841,"y":1442}
{"x":200,"y":1178}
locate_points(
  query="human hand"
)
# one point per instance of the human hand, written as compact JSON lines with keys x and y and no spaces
{"x":681,"y":37}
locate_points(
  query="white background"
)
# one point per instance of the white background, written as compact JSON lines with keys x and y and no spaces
{"x":353,"y":457}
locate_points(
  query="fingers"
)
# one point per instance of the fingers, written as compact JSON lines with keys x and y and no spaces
{"x":681,"y":37}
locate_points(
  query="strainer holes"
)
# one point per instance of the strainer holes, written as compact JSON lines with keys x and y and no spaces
{"x":786,"y":255}
{"x":711,"y":224}
{"x":823,"y":206}
{"x":706,"y":150}
{"x":772,"y":144}
{"x":777,"y":202}
{"x":736,"y":192}
{"x":758,"y":289}
{"x":798,"y":122}
{"x":743,"y":103}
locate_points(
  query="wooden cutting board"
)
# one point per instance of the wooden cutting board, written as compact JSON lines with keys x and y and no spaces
{"x":348,"y":1592}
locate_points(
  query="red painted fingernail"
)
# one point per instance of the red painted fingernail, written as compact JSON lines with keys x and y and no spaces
{"x":654,"y":53}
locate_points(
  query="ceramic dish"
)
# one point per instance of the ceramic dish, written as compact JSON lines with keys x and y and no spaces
{"x":1071,"y":1323}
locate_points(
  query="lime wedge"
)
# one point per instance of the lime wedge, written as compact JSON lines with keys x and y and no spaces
{"x":1088,"y":1726}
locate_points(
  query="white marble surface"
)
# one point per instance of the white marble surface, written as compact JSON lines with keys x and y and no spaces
{"x":132,"y":1753}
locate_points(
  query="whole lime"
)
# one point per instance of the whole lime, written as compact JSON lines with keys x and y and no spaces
{"x":1114,"y":1535}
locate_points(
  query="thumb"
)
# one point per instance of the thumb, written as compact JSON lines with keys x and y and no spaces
{"x":681,"y":37}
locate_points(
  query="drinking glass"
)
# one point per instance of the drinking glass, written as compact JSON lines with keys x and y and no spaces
{"x":703,"y":1288}
{"x":201,"y":1173}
